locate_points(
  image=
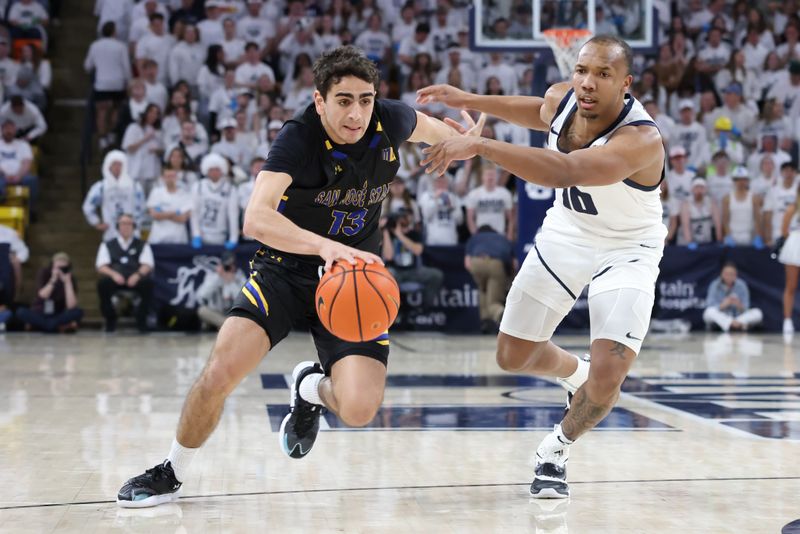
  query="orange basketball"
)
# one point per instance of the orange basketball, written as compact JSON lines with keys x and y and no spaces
{"x":357,"y":302}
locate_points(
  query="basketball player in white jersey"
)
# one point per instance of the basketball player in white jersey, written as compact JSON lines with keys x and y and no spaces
{"x":605,"y":157}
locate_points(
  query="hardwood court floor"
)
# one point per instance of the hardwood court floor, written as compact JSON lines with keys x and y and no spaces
{"x":704,"y":439}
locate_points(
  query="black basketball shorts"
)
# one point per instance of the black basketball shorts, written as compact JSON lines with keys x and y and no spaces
{"x":279,"y":295}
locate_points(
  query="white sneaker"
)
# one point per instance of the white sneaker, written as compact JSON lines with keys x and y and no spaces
{"x":550,"y":472}
{"x":788,"y":327}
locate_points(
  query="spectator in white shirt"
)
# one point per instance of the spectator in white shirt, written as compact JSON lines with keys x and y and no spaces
{"x":691,"y":135}
{"x":249,"y":72}
{"x":155,"y":45}
{"x":769,"y":147}
{"x":186,"y":58}
{"x":504,"y":73}
{"x":142,"y":144}
{"x":326,"y":33}
{"x":15,"y":162}
{"x":116,"y":11}
{"x":109,"y":60}
{"x":32,"y":57}
{"x":232,"y":44}
{"x":211,"y":74}
{"x":406,"y":25}
{"x":215,"y":211}
{"x":154,"y":89}
{"x":301,"y":40}
{"x":790,"y":49}
{"x":170,"y":206}
{"x":228,"y":147}
{"x":742,"y":117}
{"x":755,"y":53}
{"x":28,"y":20}
{"x":193,"y":142}
{"x":454,"y":63}
{"x":715,"y":55}
{"x":441,"y":213}
{"x":374,"y":41}
{"x":417,"y":43}
{"x":211,"y":31}
{"x":302,"y":92}
{"x":489,"y":204}
{"x":786,"y":89}
{"x":255,"y":28}
{"x":8,"y":67}
{"x":29,"y":120}
{"x":679,"y":178}
{"x":113,"y":195}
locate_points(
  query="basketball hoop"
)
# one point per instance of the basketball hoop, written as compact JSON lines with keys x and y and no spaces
{"x":566,"y":42}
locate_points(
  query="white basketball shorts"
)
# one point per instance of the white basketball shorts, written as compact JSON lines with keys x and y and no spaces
{"x":621,"y":278}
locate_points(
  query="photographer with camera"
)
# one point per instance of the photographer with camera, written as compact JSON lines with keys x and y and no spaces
{"x":402,"y":248}
{"x":56,"y":306}
{"x":218,"y":290}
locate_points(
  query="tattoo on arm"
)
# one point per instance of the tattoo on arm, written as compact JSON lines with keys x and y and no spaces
{"x":619,"y":350}
{"x":583,"y":415}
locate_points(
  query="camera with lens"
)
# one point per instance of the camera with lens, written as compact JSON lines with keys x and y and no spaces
{"x":396,"y":217}
{"x":65,"y":269}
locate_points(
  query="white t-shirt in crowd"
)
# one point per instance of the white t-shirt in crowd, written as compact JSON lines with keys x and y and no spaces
{"x":110,"y":61}
{"x":166,"y":231}
{"x":13,"y":154}
{"x":248,"y":74}
{"x":490,"y":207}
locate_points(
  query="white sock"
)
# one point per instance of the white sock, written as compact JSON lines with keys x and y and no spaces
{"x":309,"y":388}
{"x":180,"y":458}
{"x":580,"y":375}
{"x":554,"y":448}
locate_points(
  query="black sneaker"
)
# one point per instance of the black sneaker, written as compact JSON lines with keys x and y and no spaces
{"x":299,"y":428}
{"x":550,"y":473}
{"x":156,"y":486}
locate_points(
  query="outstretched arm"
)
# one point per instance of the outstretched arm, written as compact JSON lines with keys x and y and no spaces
{"x":530,"y":112}
{"x":631,"y":150}
{"x":431,"y":131}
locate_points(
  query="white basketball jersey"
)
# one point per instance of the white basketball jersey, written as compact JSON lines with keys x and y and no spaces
{"x":624,"y":210}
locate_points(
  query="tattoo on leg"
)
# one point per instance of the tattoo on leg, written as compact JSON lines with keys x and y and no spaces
{"x":583,"y":414}
{"x":619,"y":350}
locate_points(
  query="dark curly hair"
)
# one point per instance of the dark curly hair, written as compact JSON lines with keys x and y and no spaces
{"x":343,"y":61}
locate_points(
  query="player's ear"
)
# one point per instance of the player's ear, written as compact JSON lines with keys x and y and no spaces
{"x":627,"y":83}
{"x":319,"y":102}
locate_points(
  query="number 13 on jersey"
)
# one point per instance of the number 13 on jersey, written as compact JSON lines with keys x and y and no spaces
{"x":347,"y":223}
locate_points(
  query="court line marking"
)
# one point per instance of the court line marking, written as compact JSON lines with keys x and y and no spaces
{"x":400,"y":488}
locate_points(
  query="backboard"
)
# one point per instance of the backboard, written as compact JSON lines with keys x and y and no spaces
{"x":497,"y":25}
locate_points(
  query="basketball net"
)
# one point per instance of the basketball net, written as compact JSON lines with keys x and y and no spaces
{"x":566,"y":43}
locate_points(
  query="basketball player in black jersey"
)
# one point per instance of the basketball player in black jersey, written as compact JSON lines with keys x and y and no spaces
{"x":316,"y":201}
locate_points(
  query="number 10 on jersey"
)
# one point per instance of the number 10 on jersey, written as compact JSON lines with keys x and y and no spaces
{"x":575,"y":199}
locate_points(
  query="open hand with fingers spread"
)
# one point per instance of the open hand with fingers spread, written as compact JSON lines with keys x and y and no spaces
{"x":439,"y":156}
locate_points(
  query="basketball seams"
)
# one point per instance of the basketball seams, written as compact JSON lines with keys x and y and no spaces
{"x":343,"y":275}
{"x":388,"y":277}
{"x":358,"y":307}
{"x":385,"y":307}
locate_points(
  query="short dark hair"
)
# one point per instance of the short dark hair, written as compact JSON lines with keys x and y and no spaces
{"x":250,"y":45}
{"x":729,"y":263}
{"x":790,"y":165}
{"x":156,"y":16}
{"x":613,"y":40}
{"x":108,"y":29}
{"x":343,"y":61}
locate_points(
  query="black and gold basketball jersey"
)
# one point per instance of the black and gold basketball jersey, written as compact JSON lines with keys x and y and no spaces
{"x":337,"y":190}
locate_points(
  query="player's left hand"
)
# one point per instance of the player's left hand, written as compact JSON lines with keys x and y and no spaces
{"x":442,"y":154}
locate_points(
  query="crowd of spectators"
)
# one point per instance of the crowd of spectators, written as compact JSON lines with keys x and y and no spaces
{"x":190,"y":94}
{"x":25,"y":81}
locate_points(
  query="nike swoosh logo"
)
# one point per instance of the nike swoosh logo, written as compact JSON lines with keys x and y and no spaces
{"x":629,"y":336}
{"x":645,"y":246}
